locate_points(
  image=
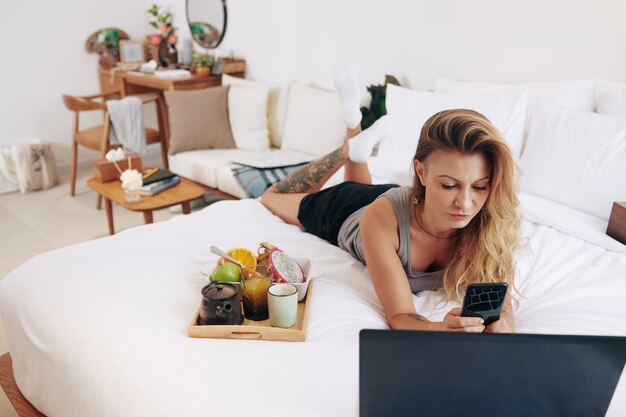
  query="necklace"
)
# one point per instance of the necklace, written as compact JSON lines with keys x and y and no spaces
{"x":424,"y":229}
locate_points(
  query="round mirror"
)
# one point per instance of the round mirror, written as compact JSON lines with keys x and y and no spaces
{"x":207,"y":21}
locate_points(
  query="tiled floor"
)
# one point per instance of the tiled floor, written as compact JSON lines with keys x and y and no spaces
{"x":41,"y":221}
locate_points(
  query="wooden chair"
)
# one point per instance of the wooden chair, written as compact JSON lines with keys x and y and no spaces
{"x":97,"y":137}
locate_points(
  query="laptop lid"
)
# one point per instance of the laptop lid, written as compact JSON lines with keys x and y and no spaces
{"x":411,"y":373}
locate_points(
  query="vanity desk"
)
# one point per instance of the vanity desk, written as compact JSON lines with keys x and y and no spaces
{"x":133,"y":82}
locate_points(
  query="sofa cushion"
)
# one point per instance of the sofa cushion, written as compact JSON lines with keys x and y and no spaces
{"x":276,"y":105}
{"x":247,"y":112}
{"x":314,"y":123}
{"x":227,"y":183}
{"x":201,"y":165}
{"x":198,"y":119}
{"x":279,"y":94}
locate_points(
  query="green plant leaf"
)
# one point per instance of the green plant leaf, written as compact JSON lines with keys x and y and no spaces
{"x":390,"y":79}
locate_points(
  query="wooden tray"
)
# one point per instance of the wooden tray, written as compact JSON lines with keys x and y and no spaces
{"x":255,"y":330}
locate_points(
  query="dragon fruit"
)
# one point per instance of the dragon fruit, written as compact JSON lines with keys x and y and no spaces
{"x":285,"y":268}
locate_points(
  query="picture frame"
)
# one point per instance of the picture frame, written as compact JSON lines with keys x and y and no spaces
{"x":131,"y":52}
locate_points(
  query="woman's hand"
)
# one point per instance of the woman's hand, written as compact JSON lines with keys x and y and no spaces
{"x":506,"y":324}
{"x":453,"y":322}
{"x":499,"y":326}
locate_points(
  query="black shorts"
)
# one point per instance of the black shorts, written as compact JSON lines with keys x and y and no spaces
{"x":323,"y":213}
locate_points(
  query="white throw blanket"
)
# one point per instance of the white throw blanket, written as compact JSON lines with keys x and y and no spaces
{"x":127,"y":120}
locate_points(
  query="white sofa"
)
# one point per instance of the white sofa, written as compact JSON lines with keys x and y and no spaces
{"x":296,"y":117}
{"x":266,"y":118}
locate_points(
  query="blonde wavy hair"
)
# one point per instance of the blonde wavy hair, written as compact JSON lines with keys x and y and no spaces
{"x":486,"y":246}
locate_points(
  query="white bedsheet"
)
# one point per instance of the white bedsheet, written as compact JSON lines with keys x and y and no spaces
{"x":99,"y":329}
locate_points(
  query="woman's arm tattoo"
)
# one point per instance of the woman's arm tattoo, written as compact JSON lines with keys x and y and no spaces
{"x":417,"y":317}
{"x":305,"y":178}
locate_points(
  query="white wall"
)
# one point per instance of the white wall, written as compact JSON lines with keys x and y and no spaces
{"x":44,"y":57}
{"x":489,"y":40}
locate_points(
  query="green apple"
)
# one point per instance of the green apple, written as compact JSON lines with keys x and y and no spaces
{"x":227,"y":272}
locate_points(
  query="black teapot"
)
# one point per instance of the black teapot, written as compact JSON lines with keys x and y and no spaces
{"x":220,"y":304}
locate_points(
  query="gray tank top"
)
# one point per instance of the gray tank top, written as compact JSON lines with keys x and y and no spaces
{"x":349,"y":239}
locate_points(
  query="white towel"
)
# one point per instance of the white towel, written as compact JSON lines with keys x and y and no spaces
{"x":127,"y":122}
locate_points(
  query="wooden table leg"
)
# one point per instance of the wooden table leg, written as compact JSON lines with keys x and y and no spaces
{"x":147,"y":217}
{"x":186,"y":207}
{"x":109,"y":210}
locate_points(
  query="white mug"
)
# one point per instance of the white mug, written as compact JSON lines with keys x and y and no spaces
{"x":282,"y":301}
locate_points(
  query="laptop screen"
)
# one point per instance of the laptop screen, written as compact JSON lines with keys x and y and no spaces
{"x":411,"y":373}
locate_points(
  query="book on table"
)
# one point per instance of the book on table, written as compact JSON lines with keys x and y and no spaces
{"x":159,"y":175}
{"x":156,"y":187}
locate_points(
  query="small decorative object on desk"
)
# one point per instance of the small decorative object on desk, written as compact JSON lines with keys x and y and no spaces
{"x":105,"y":42}
{"x":163,"y":44}
{"x":186,"y":54}
{"x":202,"y":63}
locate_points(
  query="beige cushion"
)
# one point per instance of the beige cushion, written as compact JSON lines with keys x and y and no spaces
{"x":199,"y":119}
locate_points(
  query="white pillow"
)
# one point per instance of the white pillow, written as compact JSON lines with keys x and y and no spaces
{"x":247,"y":112}
{"x":411,"y":108}
{"x":276,"y":105}
{"x":610,"y":97}
{"x":576,"y":159}
{"x":574,"y":95}
{"x":279,"y":94}
{"x":314,"y":123}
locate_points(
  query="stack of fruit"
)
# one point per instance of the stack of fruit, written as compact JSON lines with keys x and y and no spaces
{"x":284,"y":267}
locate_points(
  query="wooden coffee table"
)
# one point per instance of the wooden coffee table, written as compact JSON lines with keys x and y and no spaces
{"x":182,"y":193}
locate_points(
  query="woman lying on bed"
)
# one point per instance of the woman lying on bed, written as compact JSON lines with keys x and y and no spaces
{"x":458,"y":224}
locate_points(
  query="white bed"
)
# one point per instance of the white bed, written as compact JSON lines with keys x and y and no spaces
{"x":99,"y":329}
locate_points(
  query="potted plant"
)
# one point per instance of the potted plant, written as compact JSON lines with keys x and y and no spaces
{"x":202,"y":63}
{"x":164,"y":42}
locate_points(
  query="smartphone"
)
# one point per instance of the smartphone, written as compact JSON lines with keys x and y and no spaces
{"x":484,"y":300}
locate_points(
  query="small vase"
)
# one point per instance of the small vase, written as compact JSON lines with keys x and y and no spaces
{"x":131,"y":196}
{"x":164,"y":54}
{"x":172,"y":54}
{"x":203,"y":71}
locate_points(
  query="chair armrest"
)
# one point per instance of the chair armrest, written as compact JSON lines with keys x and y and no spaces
{"x":104,"y":95}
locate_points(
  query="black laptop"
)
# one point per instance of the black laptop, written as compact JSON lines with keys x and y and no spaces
{"x":432,"y":374}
